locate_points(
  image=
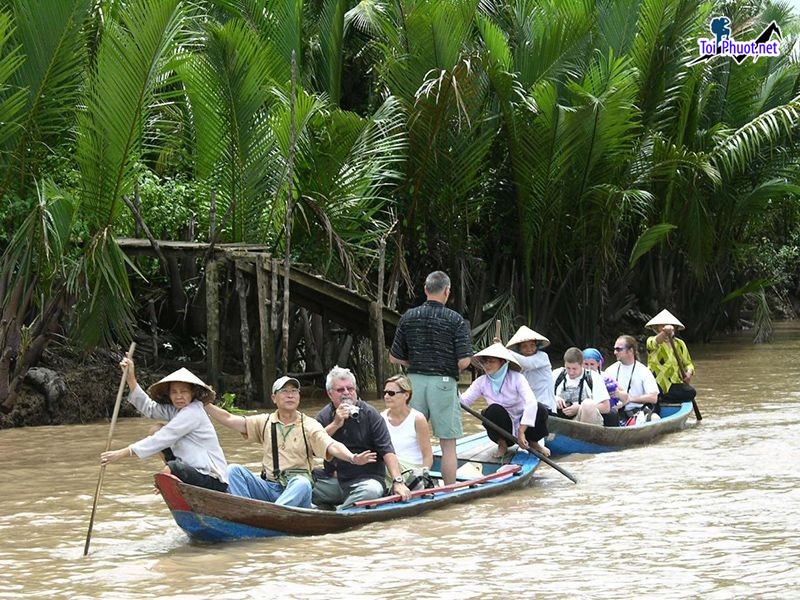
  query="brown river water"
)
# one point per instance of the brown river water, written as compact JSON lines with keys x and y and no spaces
{"x":712,"y":511}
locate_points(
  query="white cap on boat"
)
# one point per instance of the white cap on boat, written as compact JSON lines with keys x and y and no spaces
{"x":280,"y":382}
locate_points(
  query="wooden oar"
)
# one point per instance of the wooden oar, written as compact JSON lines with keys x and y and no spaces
{"x":682,"y":372}
{"x":503,"y":472}
{"x":512,"y":440}
{"x":108,"y":447}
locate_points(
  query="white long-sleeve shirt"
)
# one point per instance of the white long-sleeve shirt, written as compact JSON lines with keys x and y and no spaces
{"x":537,"y":370}
{"x":189,"y":433}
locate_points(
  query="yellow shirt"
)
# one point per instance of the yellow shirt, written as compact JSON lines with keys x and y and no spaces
{"x":662,"y":362}
{"x":292,"y":450}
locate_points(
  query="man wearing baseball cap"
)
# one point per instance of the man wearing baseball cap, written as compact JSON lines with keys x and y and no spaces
{"x":290,"y":440}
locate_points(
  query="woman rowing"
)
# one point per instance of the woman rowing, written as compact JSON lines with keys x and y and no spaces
{"x":178,"y":398}
{"x":512,"y":405}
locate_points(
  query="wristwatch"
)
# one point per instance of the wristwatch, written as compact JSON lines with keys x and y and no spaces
{"x":399,"y":479}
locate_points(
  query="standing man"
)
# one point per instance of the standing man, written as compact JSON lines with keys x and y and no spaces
{"x":434,"y":343}
{"x":290,"y":440}
{"x":359,"y":426}
{"x":636,"y":385}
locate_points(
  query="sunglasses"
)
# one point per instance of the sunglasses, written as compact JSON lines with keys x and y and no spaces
{"x":391,"y":393}
{"x":620,"y":348}
{"x":342,"y":390}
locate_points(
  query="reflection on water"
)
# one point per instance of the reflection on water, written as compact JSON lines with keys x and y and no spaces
{"x":711,"y":511}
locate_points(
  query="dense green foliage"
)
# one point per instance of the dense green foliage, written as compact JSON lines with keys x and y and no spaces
{"x":559,"y":158}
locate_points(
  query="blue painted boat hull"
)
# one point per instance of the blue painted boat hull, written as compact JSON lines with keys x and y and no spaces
{"x":212,"y":516}
{"x":571,"y":437}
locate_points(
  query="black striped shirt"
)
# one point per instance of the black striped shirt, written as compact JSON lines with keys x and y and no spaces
{"x":432,"y":339}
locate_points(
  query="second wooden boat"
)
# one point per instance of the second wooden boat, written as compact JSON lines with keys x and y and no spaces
{"x":567,"y":437}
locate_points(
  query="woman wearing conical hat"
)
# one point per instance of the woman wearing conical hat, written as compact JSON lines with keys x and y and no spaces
{"x":527,"y":346}
{"x":178,"y":398}
{"x":669,"y":360}
{"x":511,"y":404}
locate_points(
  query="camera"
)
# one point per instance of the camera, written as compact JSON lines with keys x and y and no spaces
{"x":351,"y":406}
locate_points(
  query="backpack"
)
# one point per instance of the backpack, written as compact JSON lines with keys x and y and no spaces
{"x":562,"y":377}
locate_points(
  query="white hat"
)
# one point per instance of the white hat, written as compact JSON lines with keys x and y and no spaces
{"x":159,"y":391}
{"x":526,"y":334}
{"x":664,"y":318}
{"x":282,"y":381}
{"x":497,"y":350}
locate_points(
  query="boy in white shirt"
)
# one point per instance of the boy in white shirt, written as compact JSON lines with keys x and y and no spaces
{"x":580,"y":394}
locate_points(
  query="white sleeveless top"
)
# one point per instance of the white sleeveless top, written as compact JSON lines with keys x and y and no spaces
{"x":404,"y":438}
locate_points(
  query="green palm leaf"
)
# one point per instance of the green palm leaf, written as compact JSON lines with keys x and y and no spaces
{"x":52,"y":74}
{"x":120,"y":98}
{"x":12,"y":99}
{"x":650,"y":238}
{"x":132,"y":61}
{"x":331,"y":36}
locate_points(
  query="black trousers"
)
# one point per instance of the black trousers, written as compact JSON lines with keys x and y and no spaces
{"x":499,"y":416}
{"x":678,"y":392}
{"x":192,"y":476}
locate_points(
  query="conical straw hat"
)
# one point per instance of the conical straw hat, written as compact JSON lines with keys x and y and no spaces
{"x":526,"y":334}
{"x":159,"y":391}
{"x":497,"y":350}
{"x":664,"y":318}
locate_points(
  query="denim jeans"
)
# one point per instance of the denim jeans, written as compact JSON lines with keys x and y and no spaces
{"x":243,"y":482}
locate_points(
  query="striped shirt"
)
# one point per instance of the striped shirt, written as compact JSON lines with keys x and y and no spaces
{"x":432,"y":339}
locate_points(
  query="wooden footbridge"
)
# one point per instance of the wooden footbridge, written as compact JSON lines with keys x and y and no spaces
{"x":358,"y":314}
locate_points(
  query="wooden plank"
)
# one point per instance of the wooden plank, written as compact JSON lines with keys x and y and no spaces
{"x":135,"y":244}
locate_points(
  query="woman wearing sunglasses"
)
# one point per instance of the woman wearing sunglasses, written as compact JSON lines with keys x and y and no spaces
{"x":408,"y":428}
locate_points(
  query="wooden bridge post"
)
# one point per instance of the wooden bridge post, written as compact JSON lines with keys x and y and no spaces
{"x":378,"y":344}
{"x":243,"y":291}
{"x":265,"y":310}
{"x":212,"y":323}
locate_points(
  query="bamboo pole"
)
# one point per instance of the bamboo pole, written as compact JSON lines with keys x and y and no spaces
{"x":108,"y":447}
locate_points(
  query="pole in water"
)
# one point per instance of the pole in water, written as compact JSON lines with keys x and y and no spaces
{"x":108,"y":447}
{"x":511,"y":440}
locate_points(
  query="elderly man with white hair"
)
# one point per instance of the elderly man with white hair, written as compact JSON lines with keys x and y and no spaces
{"x":360,"y":427}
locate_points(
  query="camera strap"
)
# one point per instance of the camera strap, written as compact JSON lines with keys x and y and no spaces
{"x":276,"y":471}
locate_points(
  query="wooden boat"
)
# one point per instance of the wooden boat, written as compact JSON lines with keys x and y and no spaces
{"x":568,"y":436}
{"x":214,"y":516}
